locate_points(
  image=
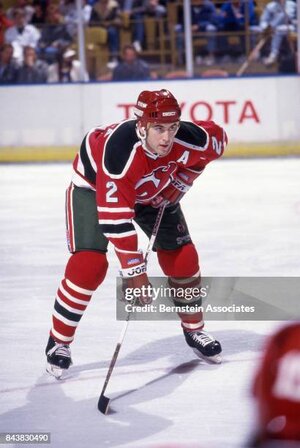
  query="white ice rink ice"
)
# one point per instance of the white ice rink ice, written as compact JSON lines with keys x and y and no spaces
{"x":244,"y":219}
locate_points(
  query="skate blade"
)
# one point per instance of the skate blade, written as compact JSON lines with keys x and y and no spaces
{"x":216,"y":359}
{"x":56,"y":371}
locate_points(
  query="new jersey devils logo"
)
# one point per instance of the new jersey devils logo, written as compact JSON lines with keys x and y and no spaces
{"x":152,"y":184}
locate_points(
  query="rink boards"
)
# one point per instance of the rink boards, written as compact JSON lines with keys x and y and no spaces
{"x":261,"y":115}
{"x":67,"y":153}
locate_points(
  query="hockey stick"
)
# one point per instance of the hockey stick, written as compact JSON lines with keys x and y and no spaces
{"x":103,"y":402}
{"x":252,"y":55}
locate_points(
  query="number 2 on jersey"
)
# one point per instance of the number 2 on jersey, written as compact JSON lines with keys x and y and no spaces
{"x":112,"y":188}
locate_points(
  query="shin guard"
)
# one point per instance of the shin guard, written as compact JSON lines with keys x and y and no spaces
{"x":85,"y":271}
{"x":182,"y":268}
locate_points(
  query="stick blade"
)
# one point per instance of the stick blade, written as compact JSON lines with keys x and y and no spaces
{"x":103,"y":404}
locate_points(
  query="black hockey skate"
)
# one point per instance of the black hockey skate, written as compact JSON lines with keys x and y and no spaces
{"x":58,"y":358}
{"x":204,"y":345}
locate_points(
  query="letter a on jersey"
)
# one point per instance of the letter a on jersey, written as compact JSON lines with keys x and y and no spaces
{"x":184,"y":158}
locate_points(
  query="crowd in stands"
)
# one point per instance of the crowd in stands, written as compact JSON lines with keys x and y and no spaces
{"x":38,"y":38}
{"x":230,"y":16}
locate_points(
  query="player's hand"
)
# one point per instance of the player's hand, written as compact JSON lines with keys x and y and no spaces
{"x":180,"y":184}
{"x":134,"y":276}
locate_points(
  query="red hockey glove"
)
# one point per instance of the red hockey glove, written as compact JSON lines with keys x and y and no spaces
{"x":134,"y":276}
{"x":180,"y":184}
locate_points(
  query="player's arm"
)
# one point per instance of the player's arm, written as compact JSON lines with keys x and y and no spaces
{"x":116,"y":196}
{"x":213,"y":142}
{"x":115,"y":207}
{"x":217,"y":139}
{"x":115,"y":213}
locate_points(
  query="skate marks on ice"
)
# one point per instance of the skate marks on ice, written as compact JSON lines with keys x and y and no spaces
{"x":152,"y":389}
{"x":235,"y":344}
{"x":74,"y":423}
{"x":77,"y":423}
{"x":68,"y":409}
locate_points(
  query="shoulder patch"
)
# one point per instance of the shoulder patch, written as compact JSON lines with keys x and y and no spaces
{"x":192,"y":136}
{"x":119,"y":147}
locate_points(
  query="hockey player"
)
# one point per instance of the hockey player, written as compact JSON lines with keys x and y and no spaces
{"x":124,"y":172}
{"x":277,"y":391}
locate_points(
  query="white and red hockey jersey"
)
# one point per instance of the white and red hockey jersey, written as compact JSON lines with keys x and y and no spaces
{"x":113,"y":162}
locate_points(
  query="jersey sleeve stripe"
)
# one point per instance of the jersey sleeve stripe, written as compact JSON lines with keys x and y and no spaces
{"x":114,"y":221}
{"x":117,"y":228}
{"x":120,"y":235}
{"x":115,"y":209}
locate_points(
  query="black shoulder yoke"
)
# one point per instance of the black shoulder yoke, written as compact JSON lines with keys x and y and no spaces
{"x":119,"y":146}
{"x":191,"y":134}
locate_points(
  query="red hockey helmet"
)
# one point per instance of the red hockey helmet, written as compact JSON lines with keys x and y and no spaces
{"x":157,"y":106}
{"x":277,"y":386}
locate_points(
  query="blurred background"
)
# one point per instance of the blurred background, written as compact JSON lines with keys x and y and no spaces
{"x":66,"y":66}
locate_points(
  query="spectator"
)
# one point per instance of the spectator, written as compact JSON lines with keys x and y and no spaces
{"x":138,"y":10}
{"x":277,"y":391}
{"x":55,"y":38}
{"x":39,"y":16}
{"x":204,"y":18}
{"x":280,"y":17}
{"x":32,"y":71}
{"x":68,"y":9}
{"x":106,"y":13}
{"x":67,"y":69}
{"x":234,"y":16}
{"x":4,"y":24}
{"x":86,"y":12}
{"x":8,"y":66}
{"x":131,"y":68}
{"x":21,"y":35}
{"x":26,"y":7}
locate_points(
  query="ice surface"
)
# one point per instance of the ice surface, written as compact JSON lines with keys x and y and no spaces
{"x":244,"y":218}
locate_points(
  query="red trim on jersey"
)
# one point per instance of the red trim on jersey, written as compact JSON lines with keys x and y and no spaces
{"x":93,"y":186}
{"x":145,"y":177}
{"x":115,"y":215}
